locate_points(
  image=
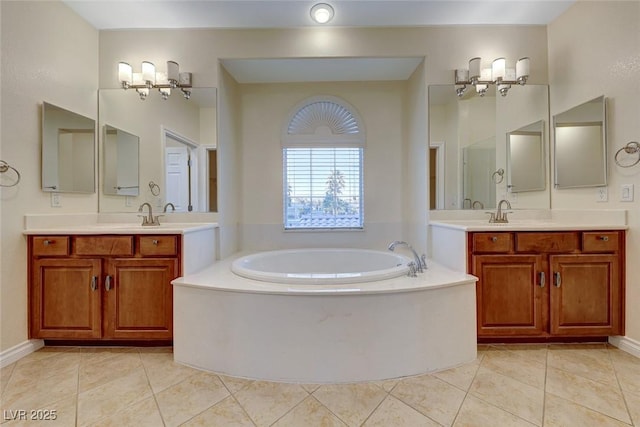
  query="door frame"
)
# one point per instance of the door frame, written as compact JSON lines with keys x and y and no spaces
{"x":192,"y":148}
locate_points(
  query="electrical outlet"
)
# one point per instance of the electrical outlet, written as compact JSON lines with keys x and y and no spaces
{"x":55,"y":200}
{"x":626,"y":193}
{"x":602,"y":194}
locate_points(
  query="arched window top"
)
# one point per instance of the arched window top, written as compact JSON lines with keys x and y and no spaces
{"x":324,"y":120}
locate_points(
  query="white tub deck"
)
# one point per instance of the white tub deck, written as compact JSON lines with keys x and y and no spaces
{"x":324,"y":333}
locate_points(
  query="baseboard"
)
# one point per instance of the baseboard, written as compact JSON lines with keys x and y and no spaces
{"x":19,"y":351}
{"x":626,"y":344}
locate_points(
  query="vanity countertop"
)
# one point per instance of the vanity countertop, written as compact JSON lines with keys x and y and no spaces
{"x":525,"y":225}
{"x":121,"y":228}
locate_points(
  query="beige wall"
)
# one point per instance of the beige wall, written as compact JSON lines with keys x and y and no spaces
{"x":48,"y":54}
{"x":265,"y":109}
{"x":594,"y":49}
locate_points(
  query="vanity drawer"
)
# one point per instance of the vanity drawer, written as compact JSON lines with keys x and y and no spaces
{"x":548,"y":242}
{"x":50,"y":245}
{"x":600,"y":241}
{"x":492,"y":242}
{"x":103,"y":245}
{"x":158,"y":245}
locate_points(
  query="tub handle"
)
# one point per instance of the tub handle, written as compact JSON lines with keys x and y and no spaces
{"x":412,"y":269}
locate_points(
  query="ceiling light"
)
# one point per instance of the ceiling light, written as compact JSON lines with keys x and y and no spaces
{"x":498,"y":75}
{"x":322,"y":13}
{"x":149,"y":78}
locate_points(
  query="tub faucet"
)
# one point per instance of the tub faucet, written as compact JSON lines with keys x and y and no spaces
{"x":500,"y":217}
{"x":173,"y":208}
{"x":420,"y":262}
{"x":149,"y":219}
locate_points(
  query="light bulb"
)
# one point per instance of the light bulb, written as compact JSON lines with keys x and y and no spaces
{"x":322,"y":13}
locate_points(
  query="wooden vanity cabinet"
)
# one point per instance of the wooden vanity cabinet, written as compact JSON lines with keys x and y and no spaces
{"x":107,"y":287}
{"x":548,"y":284}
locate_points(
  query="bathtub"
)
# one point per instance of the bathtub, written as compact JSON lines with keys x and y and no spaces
{"x":369,"y":325}
{"x":321,"y":266}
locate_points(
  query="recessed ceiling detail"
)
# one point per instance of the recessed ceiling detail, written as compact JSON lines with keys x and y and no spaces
{"x":112,"y":15}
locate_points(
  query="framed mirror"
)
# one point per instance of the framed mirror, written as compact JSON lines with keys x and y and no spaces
{"x":457,"y":124}
{"x":580,"y":149}
{"x":120,"y":162}
{"x":176,"y":140}
{"x":526,"y":159}
{"x":68,"y":151}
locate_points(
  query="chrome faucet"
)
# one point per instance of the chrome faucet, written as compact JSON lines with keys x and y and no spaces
{"x":500,"y":217}
{"x":173,"y":208}
{"x":420,"y":262}
{"x":149,"y":219}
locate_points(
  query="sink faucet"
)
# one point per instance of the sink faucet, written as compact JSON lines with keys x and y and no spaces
{"x":500,"y":217}
{"x":149,"y":219}
{"x":173,"y":208}
{"x":420,"y":262}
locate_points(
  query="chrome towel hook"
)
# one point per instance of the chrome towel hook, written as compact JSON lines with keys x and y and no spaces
{"x":5,"y":167}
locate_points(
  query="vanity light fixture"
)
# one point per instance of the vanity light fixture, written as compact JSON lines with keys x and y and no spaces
{"x":498,"y":75}
{"x":322,"y":13}
{"x":149,"y":78}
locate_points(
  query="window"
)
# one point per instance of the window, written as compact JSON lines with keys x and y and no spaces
{"x":322,"y":158}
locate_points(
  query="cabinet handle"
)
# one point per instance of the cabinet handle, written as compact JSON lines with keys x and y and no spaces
{"x":107,"y":283}
{"x":542,"y":279}
{"x":155,"y":242}
{"x":48,"y":242}
{"x":94,"y":283}
{"x":558,"y":279}
{"x":604,"y":238}
{"x":494,"y":239}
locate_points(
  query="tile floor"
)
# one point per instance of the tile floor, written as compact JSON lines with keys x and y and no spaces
{"x":508,"y":385}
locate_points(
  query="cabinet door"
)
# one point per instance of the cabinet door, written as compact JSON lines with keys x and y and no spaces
{"x":139,"y":298}
{"x":65,"y":298}
{"x":509,"y":292}
{"x":586,"y":295}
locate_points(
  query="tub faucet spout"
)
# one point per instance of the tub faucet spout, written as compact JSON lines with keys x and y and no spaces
{"x":420,"y":262}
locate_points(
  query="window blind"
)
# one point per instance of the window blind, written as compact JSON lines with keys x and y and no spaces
{"x":323,"y":187}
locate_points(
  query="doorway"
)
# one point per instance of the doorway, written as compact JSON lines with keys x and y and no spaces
{"x":436,"y":175}
{"x":180,"y":160}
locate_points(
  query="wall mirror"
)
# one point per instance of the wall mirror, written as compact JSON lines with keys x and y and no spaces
{"x":459,"y":127}
{"x":478,"y":186}
{"x":120,"y":162}
{"x":526,"y":160}
{"x":68,"y":151}
{"x":176,"y":150}
{"x":580,"y":149}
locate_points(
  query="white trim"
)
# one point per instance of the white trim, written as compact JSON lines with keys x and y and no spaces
{"x":626,"y":344}
{"x":440,"y":172}
{"x":192,"y":146}
{"x":17,"y":352}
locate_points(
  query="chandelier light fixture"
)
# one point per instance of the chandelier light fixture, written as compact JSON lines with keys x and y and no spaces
{"x":322,"y":13}
{"x":149,"y":78}
{"x":498,"y":75}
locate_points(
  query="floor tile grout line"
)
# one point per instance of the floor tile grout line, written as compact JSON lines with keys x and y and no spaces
{"x":624,"y":396}
{"x":546,"y":369}
{"x":153,"y":393}
{"x":466,"y":392}
{"x":293,"y":407}
{"x":233,"y":395}
{"x":387,"y":394}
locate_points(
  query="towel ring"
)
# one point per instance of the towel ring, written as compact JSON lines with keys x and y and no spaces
{"x":155,"y":188}
{"x":632,"y":147}
{"x":500,"y":176}
{"x":4,"y":167}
